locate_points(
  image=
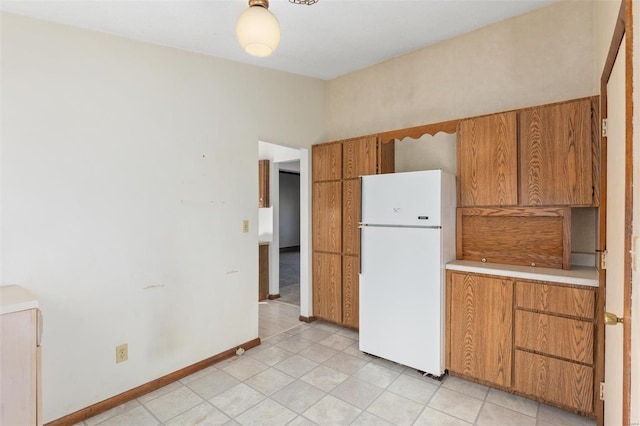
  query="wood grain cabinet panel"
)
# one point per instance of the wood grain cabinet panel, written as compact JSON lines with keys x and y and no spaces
{"x":327,"y":216}
{"x":562,"y":337}
{"x":327,"y":286}
{"x":351,"y":216}
{"x":487,"y":160}
{"x":350,"y":291}
{"x":480,"y":327}
{"x":561,"y":382}
{"x":556,"y":155}
{"x":360,"y":157}
{"x":326,"y":162}
{"x":556,"y":299}
{"x":263,"y":183}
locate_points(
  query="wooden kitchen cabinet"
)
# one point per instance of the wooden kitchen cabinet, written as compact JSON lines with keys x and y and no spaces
{"x":20,"y":358}
{"x":337,"y":167}
{"x":488,"y":160}
{"x":263,"y":271}
{"x":263,"y":183}
{"x":556,"y":154}
{"x":479,"y":322}
{"x":327,"y":286}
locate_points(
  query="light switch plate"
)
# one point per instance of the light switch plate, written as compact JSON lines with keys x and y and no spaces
{"x":245,"y":226}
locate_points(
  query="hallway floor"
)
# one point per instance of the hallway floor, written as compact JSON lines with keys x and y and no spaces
{"x":315,"y":374}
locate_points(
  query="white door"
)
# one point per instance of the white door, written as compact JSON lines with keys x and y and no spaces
{"x":614,"y":298}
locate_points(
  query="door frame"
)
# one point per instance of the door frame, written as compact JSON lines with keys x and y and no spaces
{"x":623,"y":28}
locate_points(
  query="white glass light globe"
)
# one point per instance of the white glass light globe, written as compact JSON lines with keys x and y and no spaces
{"x":258,"y":31}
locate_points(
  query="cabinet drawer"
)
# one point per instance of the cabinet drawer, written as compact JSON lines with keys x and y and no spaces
{"x":554,"y":380}
{"x":556,"y":299}
{"x":562,"y":337}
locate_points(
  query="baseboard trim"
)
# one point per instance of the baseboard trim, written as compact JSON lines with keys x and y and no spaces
{"x":274,"y":296}
{"x":307,"y":319}
{"x":136,"y":392}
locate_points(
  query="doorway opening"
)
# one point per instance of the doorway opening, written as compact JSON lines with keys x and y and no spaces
{"x":289,"y":232}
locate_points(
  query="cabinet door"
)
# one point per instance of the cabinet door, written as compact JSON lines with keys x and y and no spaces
{"x":351,"y":216}
{"x":555,"y":155}
{"x":487,"y":161}
{"x":480,"y":324}
{"x":326,"y":162}
{"x":327,"y":286}
{"x":263,"y":183}
{"x":263,"y":271}
{"x":327,"y":216}
{"x":350,"y":291}
{"x":359,"y":157}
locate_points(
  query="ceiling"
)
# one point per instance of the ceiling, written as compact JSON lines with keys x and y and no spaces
{"x":325,"y":40}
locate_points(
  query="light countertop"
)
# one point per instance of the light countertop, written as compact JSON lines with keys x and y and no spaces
{"x":579,"y":275}
{"x":14,"y":298}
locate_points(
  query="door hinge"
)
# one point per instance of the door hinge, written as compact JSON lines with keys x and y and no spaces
{"x":601,"y":391}
{"x":603,"y":260}
{"x":604,"y":128}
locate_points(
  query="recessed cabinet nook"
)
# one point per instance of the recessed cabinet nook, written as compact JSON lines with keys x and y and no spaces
{"x":519,"y":316}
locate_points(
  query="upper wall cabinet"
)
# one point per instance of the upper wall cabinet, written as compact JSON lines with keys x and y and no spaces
{"x":488,"y":160}
{"x":556,"y":155}
{"x":359,"y":157}
{"x":327,"y":162}
{"x":540,"y":156}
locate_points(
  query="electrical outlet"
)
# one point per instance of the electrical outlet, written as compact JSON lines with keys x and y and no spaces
{"x":245,"y":226}
{"x":122,"y":353}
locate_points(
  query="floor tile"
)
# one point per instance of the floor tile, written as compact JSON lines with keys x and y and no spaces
{"x":138,"y":416}
{"x":202,"y":415}
{"x":301,"y":421}
{"x":173,"y":403}
{"x":347,"y":364}
{"x":347,"y":332}
{"x":315,"y":334}
{"x":395,"y":409}
{"x":159,"y":392}
{"x":356,"y":392}
{"x":394,"y":366}
{"x":266,"y":413}
{"x":213,"y":384}
{"x":324,"y":378}
{"x":491,"y":415}
{"x":513,"y":402}
{"x":115,"y":411}
{"x":337,"y":342}
{"x":431,"y":417}
{"x":269,"y":381}
{"x":296,"y":366}
{"x":298,"y":396}
{"x":295,"y":344}
{"x":560,"y":417}
{"x":463,"y":386}
{"x":332,"y":411}
{"x":328,"y":326}
{"x":236,"y":400}
{"x":456,"y":404}
{"x":413,"y":389}
{"x":318,"y":353}
{"x":377,"y":375}
{"x":198,"y":374}
{"x":271,"y":355}
{"x":274,"y":340}
{"x":419,"y":375}
{"x":355,"y":351}
{"x":245,"y":368}
{"x":299,"y":329}
{"x":368,"y":419}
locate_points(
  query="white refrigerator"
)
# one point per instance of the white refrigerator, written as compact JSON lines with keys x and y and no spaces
{"x":407,"y":237}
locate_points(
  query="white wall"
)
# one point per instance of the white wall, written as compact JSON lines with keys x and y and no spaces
{"x":127,"y":169}
{"x":543,"y":56}
{"x":426,"y":153}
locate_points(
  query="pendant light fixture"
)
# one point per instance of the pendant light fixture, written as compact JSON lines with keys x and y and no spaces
{"x":258,"y":30}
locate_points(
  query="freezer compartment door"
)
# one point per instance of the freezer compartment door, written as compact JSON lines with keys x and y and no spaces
{"x":405,"y":199}
{"x":402,"y":296}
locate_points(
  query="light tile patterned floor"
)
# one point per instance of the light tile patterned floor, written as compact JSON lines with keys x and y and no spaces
{"x":314,"y":374}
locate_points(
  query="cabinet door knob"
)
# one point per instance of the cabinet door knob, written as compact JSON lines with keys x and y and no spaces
{"x":612,"y":319}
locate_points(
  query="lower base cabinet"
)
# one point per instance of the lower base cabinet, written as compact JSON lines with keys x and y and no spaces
{"x":532,"y":338}
{"x":263,"y":271}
